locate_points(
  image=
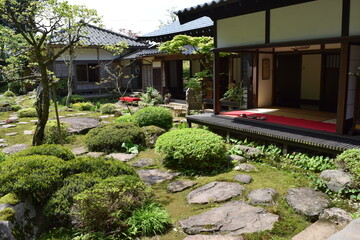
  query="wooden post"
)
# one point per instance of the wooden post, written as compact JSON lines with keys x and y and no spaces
{"x":216,"y":84}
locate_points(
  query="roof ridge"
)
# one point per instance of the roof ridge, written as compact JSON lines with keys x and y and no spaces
{"x":109,"y":31}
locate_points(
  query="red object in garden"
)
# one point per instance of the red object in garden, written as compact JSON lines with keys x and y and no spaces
{"x":129,"y":99}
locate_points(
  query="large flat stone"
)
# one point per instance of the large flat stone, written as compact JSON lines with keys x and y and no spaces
{"x":179,"y":186}
{"x":212,"y":237}
{"x":350,"y":232}
{"x":15,"y":148}
{"x":264,"y":196}
{"x":152,"y":176}
{"x":81,"y":124}
{"x":215,"y":191}
{"x":232,"y":218}
{"x":124,"y":157}
{"x":79,"y":151}
{"x":335,"y":179}
{"x":319,"y":230}
{"x":143,"y":162}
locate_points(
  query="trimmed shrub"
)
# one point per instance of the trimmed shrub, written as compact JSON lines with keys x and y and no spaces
{"x":157,"y":116}
{"x":349,"y":160}
{"x":110,"y":137}
{"x":125,"y":118}
{"x":47,"y":149}
{"x":17,"y":87}
{"x":37,"y":176}
{"x":100,"y":167}
{"x":51,"y":134}
{"x":150,"y":219}
{"x":195,"y":149}
{"x":7,"y":214}
{"x":27,"y":112}
{"x":83,"y":106}
{"x":8,"y":104}
{"x":9,"y":93}
{"x":108,"y":108}
{"x":60,"y":204}
{"x":107,"y":204}
{"x":75,"y":98}
{"x":152,"y":133}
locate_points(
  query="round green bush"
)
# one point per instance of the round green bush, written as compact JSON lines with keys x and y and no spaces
{"x":48,"y":149}
{"x":125,"y":118}
{"x":51,"y":134}
{"x":195,"y":149}
{"x":9,"y":93}
{"x":27,"y":112}
{"x":106,"y":205}
{"x":157,"y":116}
{"x":37,"y":176}
{"x":83,"y":106}
{"x":349,"y":160}
{"x":110,"y":137}
{"x":108,"y":108}
{"x":62,"y":200}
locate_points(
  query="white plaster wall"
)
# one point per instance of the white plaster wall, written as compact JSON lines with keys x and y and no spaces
{"x":353,"y":67}
{"x":310,"y":20}
{"x":242,"y":30}
{"x":354,"y":27}
{"x":84,"y":54}
{"x":311,"y":77}
{"x":265,"y":89}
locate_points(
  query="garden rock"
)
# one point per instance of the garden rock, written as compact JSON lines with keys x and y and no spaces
{"x":243,"y":178}
{"x":2,"y":141}
{"x":15,"y":148}
{"x":104,"y":116}
{"x":11,"y":134}
{"x":28,"y":132}
{"x":335,"y":179}
{"x":95,"y":154}
{"x":124,"y":157}
{"x":215,"y":191}
{"x":307,"y":201}
{"x":81,"y":124}
{"x":5,"y":231}
{"x":143,"y":162}
{"x":34,"y":121}
{"x":22,"y":123}
{"x":79,"y":151}
{"x":212,"y":237}
{"x":152,"y":176}
{"x":179,"y":186}
{"x":13,"y":119}
{"x":319,"y":230}
{"x":237,"y":158}
{"x":232,"y":218}
{"x":249,"y":151}
{"x":350,"y":232}
{"x":264,"y":196}
{"x":151,"y":135}
{"x":2,"y":145}
{"x":8,"y":126}
{"x":337,"y":216}
{"x":245,"y":167}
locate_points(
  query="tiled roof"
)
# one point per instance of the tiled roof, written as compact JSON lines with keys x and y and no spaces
{"x":176,"y":27}
{"x":96,"y":36}
{"x":154,"y":51}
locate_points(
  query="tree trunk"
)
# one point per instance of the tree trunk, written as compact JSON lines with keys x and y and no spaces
{"x":70,"y":76}
{"x":42,"y":106}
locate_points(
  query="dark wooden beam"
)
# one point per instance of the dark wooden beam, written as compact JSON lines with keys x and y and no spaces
{"x":345,"y":18}
{"x":343,"y":87}
{"x":216,"y":84}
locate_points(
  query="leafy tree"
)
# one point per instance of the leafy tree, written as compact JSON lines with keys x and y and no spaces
{"x":171,"y":17}
{"x":38,"y":25}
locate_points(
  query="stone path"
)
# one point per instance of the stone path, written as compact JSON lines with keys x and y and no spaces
{"x":81,"y":124}
{"x":152,"y":176}
{"x":15,"y":148}
{"x":124,"y":157}
{"x":179,"y":186}
{"x":143,"y":162}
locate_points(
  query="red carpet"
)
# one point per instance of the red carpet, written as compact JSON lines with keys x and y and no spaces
{"x":296,"y":122}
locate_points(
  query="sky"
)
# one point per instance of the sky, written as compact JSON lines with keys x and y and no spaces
{"x":137,"y":15}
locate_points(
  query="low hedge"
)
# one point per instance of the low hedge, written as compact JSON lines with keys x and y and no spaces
{"x":157,"y":116}
{"x":108,"y":108}
{"x":47,"y":149}
{"x":27,"y":112}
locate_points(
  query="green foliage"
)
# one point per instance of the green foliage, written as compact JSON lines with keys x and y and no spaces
{"x":349,"y":160}
{"x":7,"y":214}
{"x":60,"y":203}
{"x":47,"y":149}
{"x":235,"y":93}
{"x":108,"y":108}
{"x":157,"y":116}
{"x":75,"y":98}
{"x":151,"y":96}
{"x":9,"y":93}
{"x":150,"y":219}
{"x":52,"y":134}
{"x":106,"y":205}
{"x":313,"y":163}
{"x":125,"y":118}
{"x":2,"y":156}
{"x":131,"y":147}
{"x":195,"y":149}
{"x":10,"y":198}
{"x":83,"y":106}
{"x":8,"y":104}
{"x":37,"y":176}
{"x":196,"y":81}
{"x":110,"y":137}
{"x":16,"y":87}
{"x":201,"y":45}
{"x":27,"y":112}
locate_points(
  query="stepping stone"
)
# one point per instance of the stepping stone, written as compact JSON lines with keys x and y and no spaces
{"x":152,"y":176}
{"x":215,"y":191}
{"x":34,"y":121}
{"x":245,"y":167}
{"x":81,"y":124}
{"x":60,"y":117}
{"x":124,"y":157}
{"x":143,"y":162}
{"x":11,"y":134}
{"x":350,"y":232}
{"x":2,"y":141}
{"x":179,"y":186}
{"x":22,"y":123}
{"x":2,"y":145}
{"x":237,"y":158}
{"x":95,"y":154}
{"x":232,"y":218}
{"x":8,"y":126}
{"x":105,"y":122}
{"x":337,"y":216}
{"x":81,"y":114}
{"x":28,"y":132}
{"x":71,"y":115}
{"x":15,"y":148}
{"x":13,"y":119}
{"x":336,"y":179}
{"x":307,"y":201}
{"x":3,"y":122}
{"x":243,"y":178}
{"x":264,"y":196}
{"x":212,"y":237}
{"x":249,"y":151}
{"x":79,"y":151}
{"x":104,"y":117}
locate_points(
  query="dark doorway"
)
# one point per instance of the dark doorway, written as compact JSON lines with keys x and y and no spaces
{"x":174,"y":79}
{"x":330,"y":84}
{"x":157,"y":79}
{"x":288,"y":81}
